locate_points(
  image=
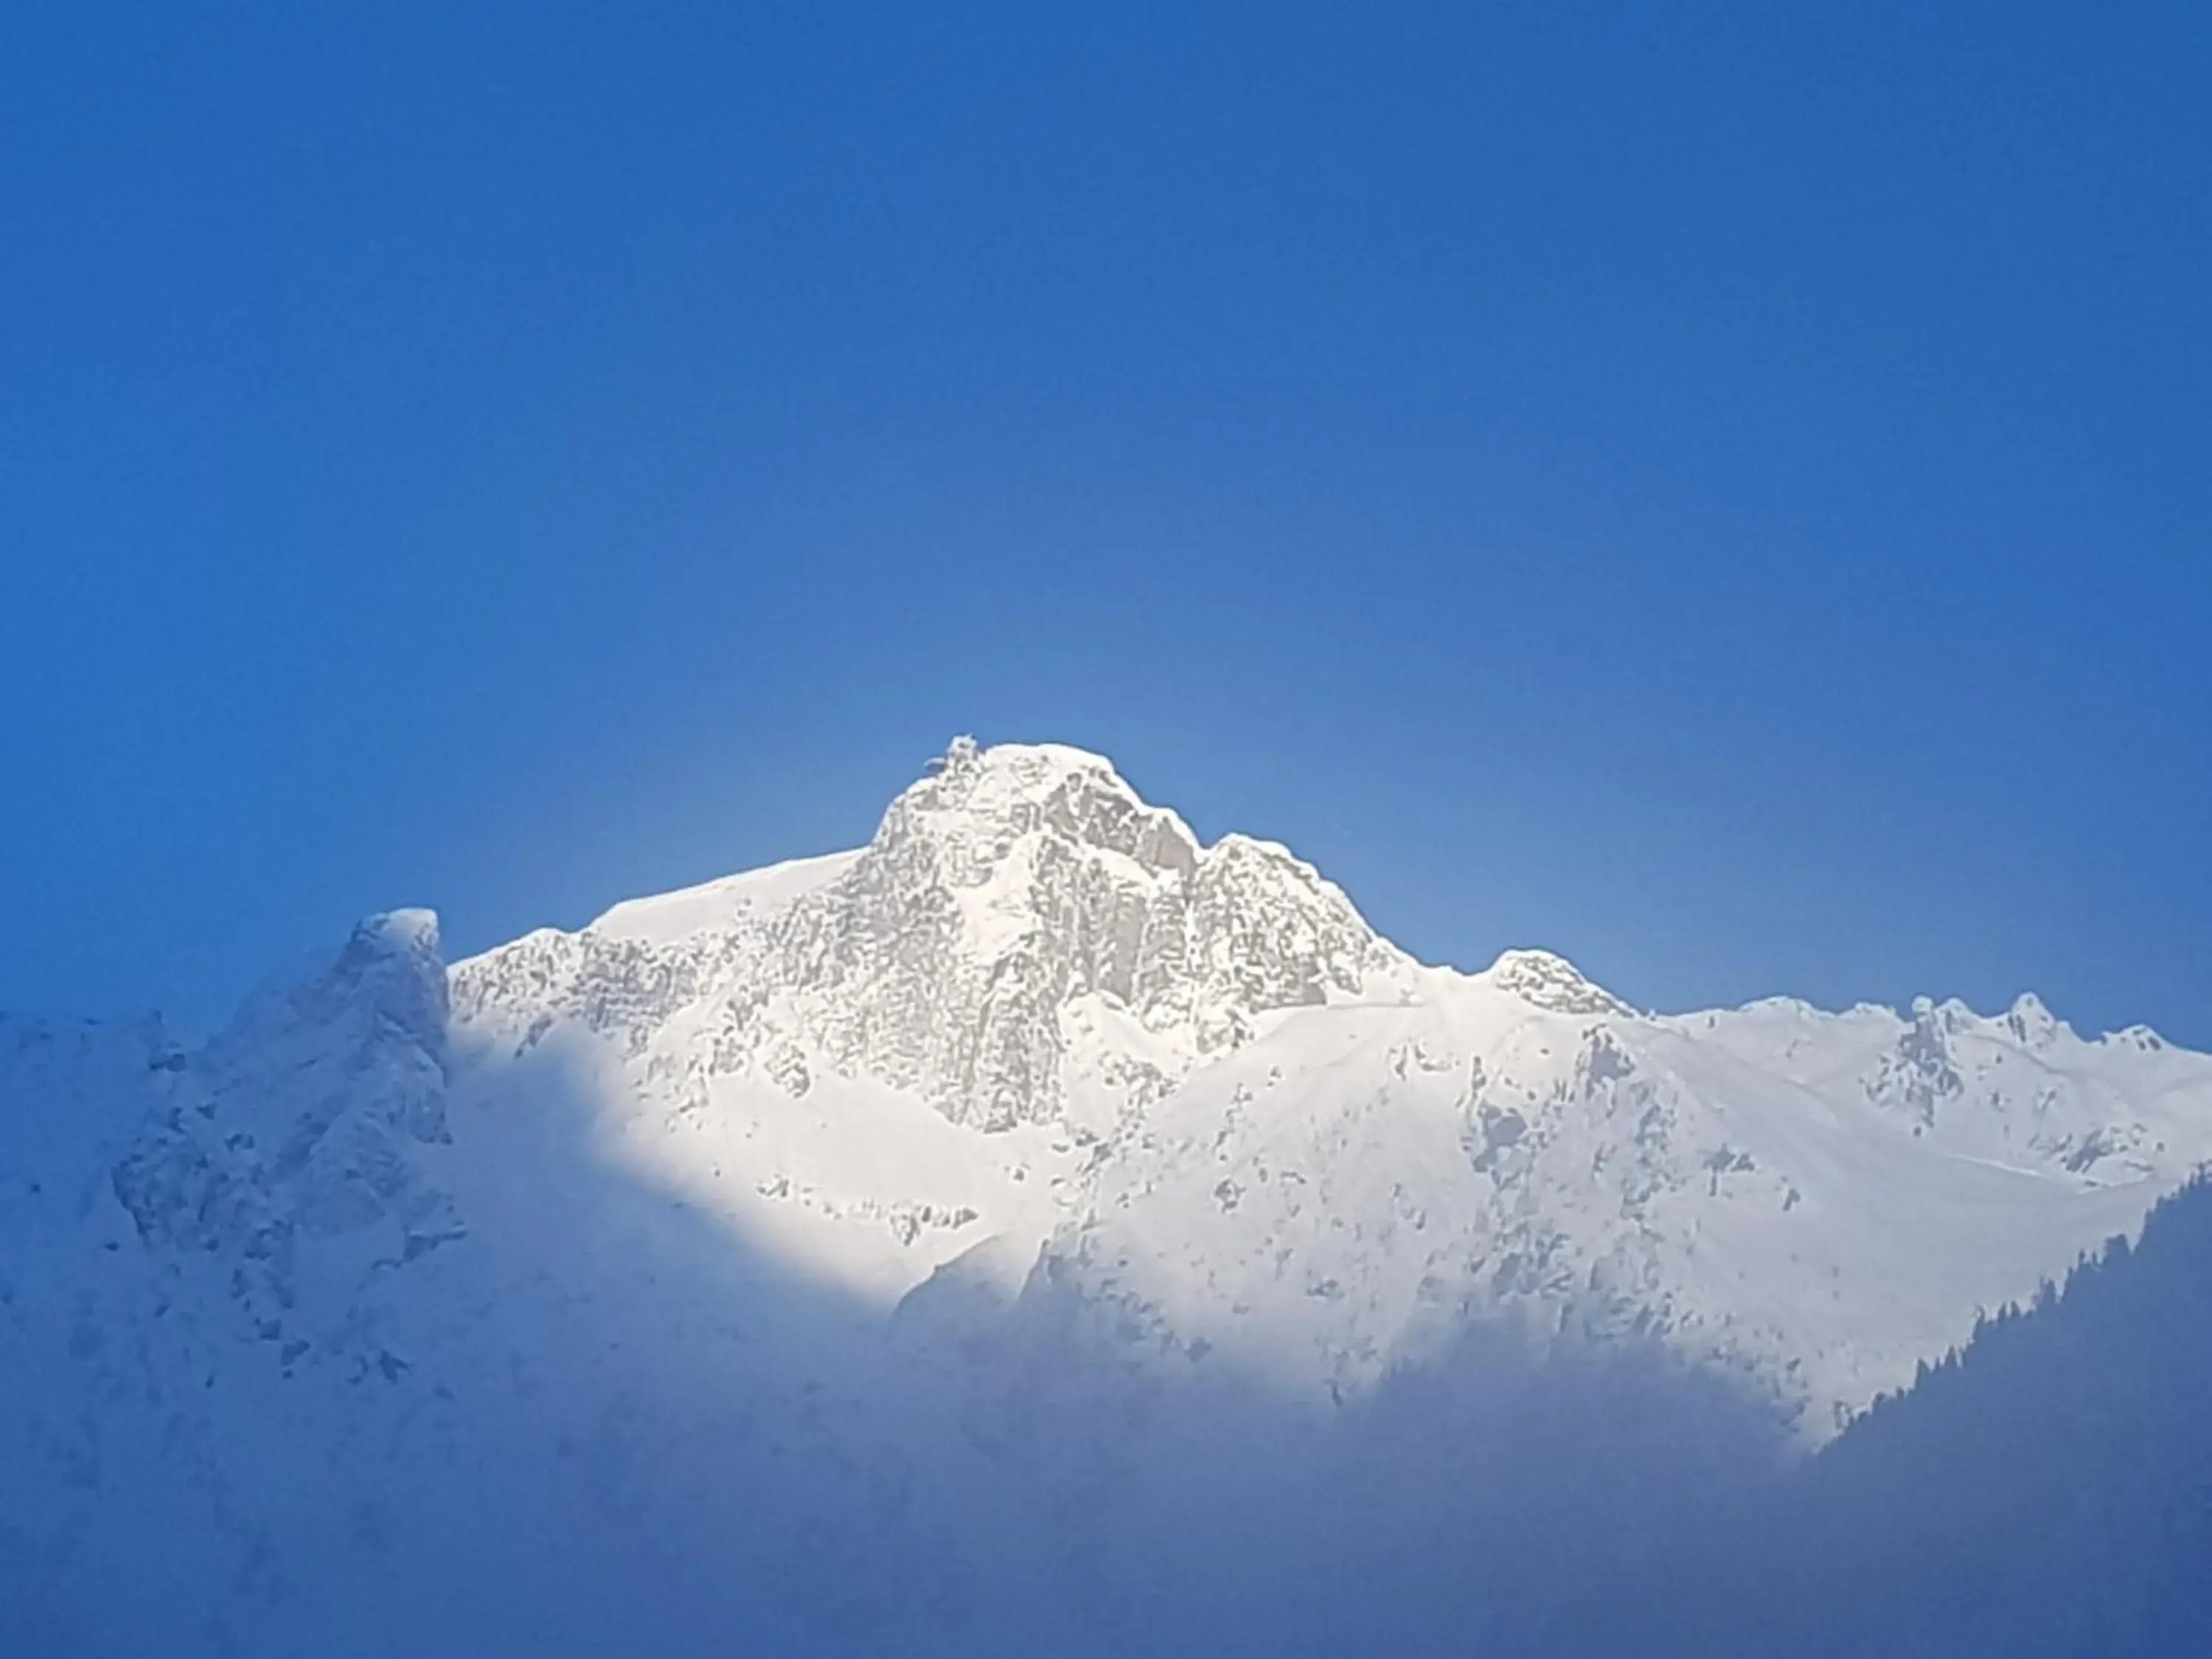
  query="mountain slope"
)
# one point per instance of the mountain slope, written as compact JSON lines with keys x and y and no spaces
{"x":981,"y":1208}
{"x":1206,"y":1089}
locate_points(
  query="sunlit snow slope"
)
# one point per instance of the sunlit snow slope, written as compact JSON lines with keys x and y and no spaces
{"x":1036,"y":1031}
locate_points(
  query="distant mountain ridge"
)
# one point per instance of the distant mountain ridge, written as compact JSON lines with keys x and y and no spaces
{"x":853,"y":1164}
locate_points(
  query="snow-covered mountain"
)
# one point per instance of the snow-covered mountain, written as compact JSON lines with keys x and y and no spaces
{"x":1036,"y":1029}
{"x":846,"y":1164}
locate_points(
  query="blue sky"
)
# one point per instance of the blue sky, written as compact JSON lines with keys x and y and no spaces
{"x":1720,"y":492}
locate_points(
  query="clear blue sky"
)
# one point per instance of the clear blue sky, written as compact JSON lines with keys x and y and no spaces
{"x":1724,"y":492}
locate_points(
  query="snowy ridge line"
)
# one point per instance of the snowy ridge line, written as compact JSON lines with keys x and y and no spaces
{"x":1812,"y":1201}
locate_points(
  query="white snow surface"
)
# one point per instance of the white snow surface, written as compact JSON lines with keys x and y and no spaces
{"x":1191,"y":1079}
{"x":1035,"y":1043}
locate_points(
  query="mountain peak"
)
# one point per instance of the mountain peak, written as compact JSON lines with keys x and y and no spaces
{"x":2031,"y":1022}
{"x":1014,"y":882}
{"x":1008,"y":896}
{"x":398,"y":957}
{"x":1553,"y":983}
{"x":983,"y":800}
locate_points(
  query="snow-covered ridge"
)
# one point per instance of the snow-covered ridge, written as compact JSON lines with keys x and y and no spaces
{"x":1266,"y":1132}
{"x":1033,"y":1073}
{"x":1035,"y":1036}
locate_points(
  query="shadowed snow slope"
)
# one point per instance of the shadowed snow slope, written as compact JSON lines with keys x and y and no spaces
{"x":1031,"y":1221}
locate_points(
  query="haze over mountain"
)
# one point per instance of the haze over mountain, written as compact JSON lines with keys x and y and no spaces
{"x":1036,"y":1231}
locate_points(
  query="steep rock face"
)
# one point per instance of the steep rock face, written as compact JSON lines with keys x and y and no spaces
{"x":945,"y":958}
{"x":285,"y":1149}
{"x":1551,"y":984}
{"x":1012,"y":884}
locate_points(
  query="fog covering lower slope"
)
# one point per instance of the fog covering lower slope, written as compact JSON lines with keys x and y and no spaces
{"x":2045,"y":1493}
{"x":1038,"y":1231}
